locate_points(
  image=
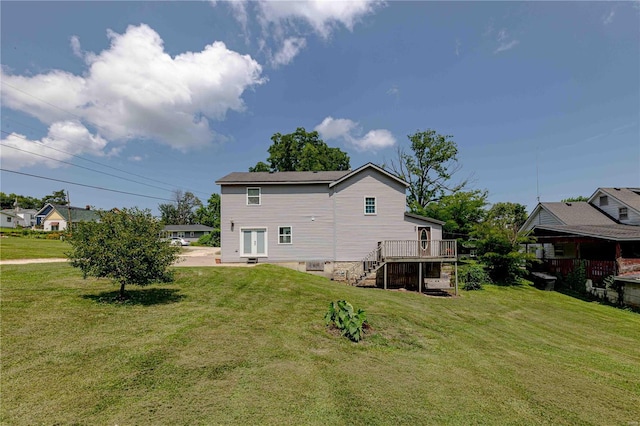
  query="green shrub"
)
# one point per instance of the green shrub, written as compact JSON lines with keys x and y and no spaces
{"x":351,"y":323}
{"x":473,"y":276}
{"x":211,"y":239}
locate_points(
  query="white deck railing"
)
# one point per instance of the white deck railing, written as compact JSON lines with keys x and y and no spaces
{"x":419,"y":249}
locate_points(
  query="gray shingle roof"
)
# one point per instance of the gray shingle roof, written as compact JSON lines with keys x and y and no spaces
{"x":281,"y":177}
{"x":578,"y":213}
{"x":616,"y":232}
{"x":187,"y":228}
{"x":629,"y":196}
{"x":78,"y":214}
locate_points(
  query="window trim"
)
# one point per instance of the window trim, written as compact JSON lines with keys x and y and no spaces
{"x":623,"y":213}
{"x":259,"y":195}
{"x":375,"y":205}
{"x":280,"y":235}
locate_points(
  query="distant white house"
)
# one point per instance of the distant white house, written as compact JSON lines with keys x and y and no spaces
{"x":8,"y":220}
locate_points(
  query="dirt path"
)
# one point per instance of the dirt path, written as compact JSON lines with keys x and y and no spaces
{"x":190,"y":256}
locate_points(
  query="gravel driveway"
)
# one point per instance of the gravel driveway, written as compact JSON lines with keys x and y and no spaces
{"x":190,"y":256}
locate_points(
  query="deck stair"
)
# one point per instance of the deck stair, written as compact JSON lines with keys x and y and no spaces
{"x":366,"y":268}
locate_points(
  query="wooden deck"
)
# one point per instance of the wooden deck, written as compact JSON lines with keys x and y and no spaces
{"x":419,"y":251}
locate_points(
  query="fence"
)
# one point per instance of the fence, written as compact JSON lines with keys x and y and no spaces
{"x":596,"y":270}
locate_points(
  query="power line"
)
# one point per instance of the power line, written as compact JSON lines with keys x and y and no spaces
{"x":81,"y":157}
{"x":82,"y":167}
{"x":84,"y":185}
{"x":82,"y":119}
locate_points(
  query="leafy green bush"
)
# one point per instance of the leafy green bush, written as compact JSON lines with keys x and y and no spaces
{"x":211,"y":239}
{"x":473,"y":276}
{"x":576,"y":279}
{"x":351,"y":323}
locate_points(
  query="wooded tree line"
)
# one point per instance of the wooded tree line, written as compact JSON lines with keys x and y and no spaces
{"x":10,"y":201}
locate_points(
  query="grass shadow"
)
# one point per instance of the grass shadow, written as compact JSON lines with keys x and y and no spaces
{"x":138,"y":297}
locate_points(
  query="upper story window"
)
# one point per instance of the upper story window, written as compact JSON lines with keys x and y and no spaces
{"x":370,"y":205}
{"x":253,"y":196}
{"x":8,"y":218}
{"x":284,"y":235}
{"x":604,"y":200}
{"x":623,"y":213}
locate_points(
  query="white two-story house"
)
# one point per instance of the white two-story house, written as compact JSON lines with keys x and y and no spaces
{"x":337,"y":219}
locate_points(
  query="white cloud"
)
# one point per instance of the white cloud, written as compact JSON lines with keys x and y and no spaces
{"x":335,"y":128}
{"x":393,"y":90}
{"x":135,"y":158}
{"x":458,"y":45}
{"x":322,"y":16}
{"x":75,"y":46}
{"x":284,"y":21}
{"x":506,"y":46}
{"x":606,"y":20}
{"x":374,"y":140}
{"x":134,"y":89}
{"x":349,"y":130}
{"x":506,"y":42}
{"x":70,"y":136}
{"x":290,"y":48}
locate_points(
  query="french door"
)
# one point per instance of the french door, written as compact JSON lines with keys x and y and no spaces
{"x":254,"y":242}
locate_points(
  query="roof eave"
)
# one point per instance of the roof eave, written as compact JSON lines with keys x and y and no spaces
{"x":366,"y":166}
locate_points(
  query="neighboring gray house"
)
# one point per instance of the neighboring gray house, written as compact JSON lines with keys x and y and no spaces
{"x":602,"y":233}
{"x":333,"y":221}
{"x":190,"y":233}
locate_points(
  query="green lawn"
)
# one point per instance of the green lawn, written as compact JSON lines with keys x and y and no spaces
{"x":31,"y":248}
{"x":249,"y":346}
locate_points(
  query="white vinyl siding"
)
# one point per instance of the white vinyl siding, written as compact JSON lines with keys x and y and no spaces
{"x":253,"y":196}
{"x":369,"y":205}
{"x":306,"y":208}
{"x":285,"y":235}
{"x":613,"y":210}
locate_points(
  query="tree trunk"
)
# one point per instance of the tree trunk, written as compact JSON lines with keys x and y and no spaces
{"x":121,"y":297}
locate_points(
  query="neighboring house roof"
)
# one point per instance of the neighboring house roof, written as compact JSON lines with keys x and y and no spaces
{"x":615,"y":232}
{"x":284,"y":178}
{"x":627,"y":196}
{"x":78,"y":214}
{"x":425,"y":218}
{"x":569,"y":213}
{"x":7,"y":213}
{"x":187,"y":228}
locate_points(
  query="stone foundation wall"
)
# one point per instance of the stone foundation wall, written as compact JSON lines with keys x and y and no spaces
{"x":628,"y":266}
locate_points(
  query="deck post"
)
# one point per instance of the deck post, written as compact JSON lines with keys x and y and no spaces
{"x":385,"y":276}
{"x":420,"y":277}
{"x":456,"y":272}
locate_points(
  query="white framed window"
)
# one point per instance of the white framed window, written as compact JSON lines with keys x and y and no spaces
{"x":370,"y":205}
{"x":8,"y":218}
{"x":285,"y":235}
{"x":181,"y":234}
{"x":623,"y":213}
{"x":253,"y":196}
{"x":191,"y":234}
{"x":604,"y":200}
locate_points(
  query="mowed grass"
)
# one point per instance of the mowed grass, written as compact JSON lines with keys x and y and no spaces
{"x":31,"y":248}
{"x":249,"y":346}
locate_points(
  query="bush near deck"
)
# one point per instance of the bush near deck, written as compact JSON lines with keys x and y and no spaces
{"x":249,"y":346}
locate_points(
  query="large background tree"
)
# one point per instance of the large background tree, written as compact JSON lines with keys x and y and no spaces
{"x":461,"y":212}
{"x":56,"y":197}
{"x":182,"y":211}
{"x":302,"y":151}
{"x":429,"y":168}
{"x":8,"y":201}
{"x":124,"y":246}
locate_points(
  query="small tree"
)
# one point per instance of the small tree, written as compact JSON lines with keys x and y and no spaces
{"x":500,"y":244}
{"x":124,"y":246}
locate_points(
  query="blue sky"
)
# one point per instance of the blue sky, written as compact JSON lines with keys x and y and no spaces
{"x":178,"y":94}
